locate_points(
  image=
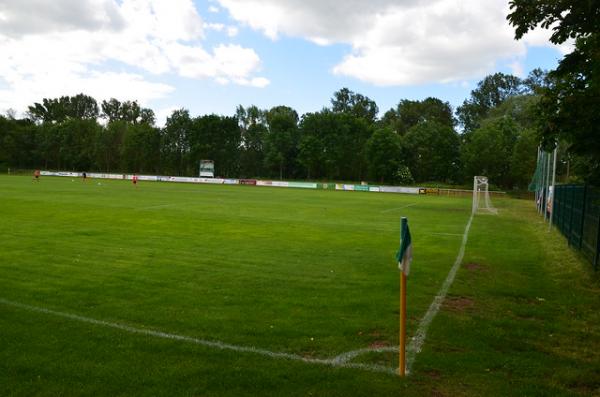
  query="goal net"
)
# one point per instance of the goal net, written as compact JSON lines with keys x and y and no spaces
{"x":481,"y":195}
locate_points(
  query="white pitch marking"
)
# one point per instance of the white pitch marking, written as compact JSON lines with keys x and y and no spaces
{"x":348,"y":356}
{"x":157,"y":206}
{"x":414,"y":347}
{"x":333,"y":362}
{"x":398,"y":208}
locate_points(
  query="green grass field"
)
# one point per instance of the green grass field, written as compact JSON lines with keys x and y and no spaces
{"x":306,"y":273}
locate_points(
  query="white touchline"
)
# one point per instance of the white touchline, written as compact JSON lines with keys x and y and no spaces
{"x":414,"y":347}
{"x":398,"y":208}
{"x":333,"y":362}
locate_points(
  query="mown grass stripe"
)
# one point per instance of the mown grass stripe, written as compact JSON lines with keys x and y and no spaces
{"x":416,"y":343}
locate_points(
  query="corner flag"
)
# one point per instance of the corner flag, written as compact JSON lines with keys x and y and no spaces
{"x":404,"y":255}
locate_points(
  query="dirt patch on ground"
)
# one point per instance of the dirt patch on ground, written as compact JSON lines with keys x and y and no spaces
{"x":475,"y":267}
{"x":309,"y":354}
{"x":433,"y":374}
{"x":378,"y":344}
{"x":458,"y":303}
{"x":375,"y":333}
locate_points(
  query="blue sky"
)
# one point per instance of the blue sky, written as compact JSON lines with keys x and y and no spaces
{"x":209,"y":56}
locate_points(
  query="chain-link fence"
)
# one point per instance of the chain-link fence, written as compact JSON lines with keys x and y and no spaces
{"x":577,"y":215}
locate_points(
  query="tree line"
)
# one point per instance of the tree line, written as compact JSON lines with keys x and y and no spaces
{"x":495,"y":132}
{"x":567,"y":111}
{"x":491,"y":134}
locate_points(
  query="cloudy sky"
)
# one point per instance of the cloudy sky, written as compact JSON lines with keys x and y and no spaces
{"x":209,"y":56}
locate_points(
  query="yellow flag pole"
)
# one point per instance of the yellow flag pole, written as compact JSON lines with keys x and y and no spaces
{"x":402,"y":347}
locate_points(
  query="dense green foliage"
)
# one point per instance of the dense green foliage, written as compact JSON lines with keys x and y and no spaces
{"x":569,"y":100}
{"x":432,"y":152}
{"x":417,"y":141}
{"x":304,"y":272}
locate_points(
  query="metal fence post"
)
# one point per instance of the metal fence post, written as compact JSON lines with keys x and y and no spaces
{"x":597,"y":256}
{"x":583,"y":212}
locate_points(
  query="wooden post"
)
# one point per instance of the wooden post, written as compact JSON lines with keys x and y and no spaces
{"x":402,"y":345}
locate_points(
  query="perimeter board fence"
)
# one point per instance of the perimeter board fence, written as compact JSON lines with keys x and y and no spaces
{"x":577,"y":216}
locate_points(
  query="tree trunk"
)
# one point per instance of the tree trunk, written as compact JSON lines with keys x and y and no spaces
{"x":281,"y":170}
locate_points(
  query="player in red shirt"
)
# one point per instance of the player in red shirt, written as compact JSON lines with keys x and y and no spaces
{"x":134,"y":179}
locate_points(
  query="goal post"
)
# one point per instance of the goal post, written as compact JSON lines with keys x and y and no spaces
{"x":481,"y":195}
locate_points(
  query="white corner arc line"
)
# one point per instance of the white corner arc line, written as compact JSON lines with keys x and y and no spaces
{"x":348,"y":356}
{"x":416,"y":342}
{"x":203,"y":342}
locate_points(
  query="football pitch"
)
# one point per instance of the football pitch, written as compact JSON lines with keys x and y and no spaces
{"x":180,"y":289}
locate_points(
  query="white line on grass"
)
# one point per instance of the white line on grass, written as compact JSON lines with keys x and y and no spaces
{"x":158,"y":206}
{"x":333,"y":362}
{"x":414,"y":347}
{"x":351,"y":355}
{"x":341,"y":360}
{"x":398,"y":208}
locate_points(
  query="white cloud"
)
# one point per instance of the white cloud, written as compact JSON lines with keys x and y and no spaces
{"x":541,"y":38}
{"x":396,"y":43}
{"x":217,"y":27}
{"x":213,"y":9}
{"x":65,"y":47}
{"x":162,"y":114}
{"x":232,"y":31}
{"x":19,"y":17}
{"x":516,"y":68}
{"x":100,"y":85}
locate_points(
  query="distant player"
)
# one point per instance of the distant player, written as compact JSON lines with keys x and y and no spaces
{"x":84,"y":176}
{"x":134,"y":180}
{"x":36,"y":175}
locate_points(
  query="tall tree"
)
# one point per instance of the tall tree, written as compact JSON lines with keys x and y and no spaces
{"x":383,"y":153}
{"x":282,"y":138}
{"x":333,"y":144}
{"x":77,"y":143}
{"x":108,"y":145}
{"x":346,"y":101}
{"x":409,"y":113}
{"x":129,"y":111}
{"x":111,"y":109}
{"x":175,"y":145}
{"x":569,"y":105}
{"x":140,"y":148}
{"x":18,"y":140}
{"x":490,"y":92}
{"x":490,"y":149}
{"x":82,"y":107}
{"x":253,"y":129}
{"x":523,"y":159}
{"x":432,"y":152}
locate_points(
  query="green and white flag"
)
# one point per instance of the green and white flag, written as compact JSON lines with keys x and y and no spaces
{"x":404,"y":254}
